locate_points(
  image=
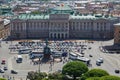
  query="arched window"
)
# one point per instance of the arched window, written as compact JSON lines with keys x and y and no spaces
{"x":66,"y":35}
{"x":55,"y":35}
{"x":59,"y":36}
{"x":62,"y":36}
{"x":51,"y":35}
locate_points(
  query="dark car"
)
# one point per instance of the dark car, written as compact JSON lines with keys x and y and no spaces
{"x":14,"y":72}
{"x":90,"y":55}
{"x":89,"y":48}
{"x":117,"y":71}
{"x":5,"y":68}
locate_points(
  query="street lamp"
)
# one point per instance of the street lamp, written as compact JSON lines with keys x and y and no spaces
{"x":0,"y":43}
{"x":39,"y":64}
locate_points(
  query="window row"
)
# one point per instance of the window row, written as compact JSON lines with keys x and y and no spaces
{"x":98,"y":28}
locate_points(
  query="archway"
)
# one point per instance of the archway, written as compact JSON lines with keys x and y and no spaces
{"x":55,"y":36}
{"x":51,"y":35}
{"x":62,"y":36}
{"x":58,"y":36}
{"x":66,"y":36}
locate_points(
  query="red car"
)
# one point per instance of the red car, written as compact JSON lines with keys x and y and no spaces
{"x":3,"y":61}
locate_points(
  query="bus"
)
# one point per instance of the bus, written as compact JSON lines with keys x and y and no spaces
{"x":35,"y":54}
{"x":56,"y":54}
{"x":24,"y":51}
{"x":73,"y":56}
{"x":84,"y":59}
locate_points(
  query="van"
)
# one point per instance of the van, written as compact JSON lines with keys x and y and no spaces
{"x":19,"y":59}
{"x":98,"y":63}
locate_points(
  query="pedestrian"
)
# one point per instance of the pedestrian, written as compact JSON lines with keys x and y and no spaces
{"x":13,"y":78}
{"x":63,"y":61}
{"x":3,"y":76}
{"x":66,"y":60}
{"x":21,"y":79}
{"x":41,"y":63}
{"x":14,"y":57}
{"x":10,"y":77}
{"x":26,"y":57}
{"x":53,"y":63}
{"x":30,"y":62}
{"x":33,"y":63}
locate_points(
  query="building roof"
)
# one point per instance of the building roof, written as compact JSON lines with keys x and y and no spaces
{"x":32,"y":16}
{"x":46,"y":16}
{"x":82,"y":17}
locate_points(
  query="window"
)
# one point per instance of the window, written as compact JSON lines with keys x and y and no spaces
{"x":91,"y":23}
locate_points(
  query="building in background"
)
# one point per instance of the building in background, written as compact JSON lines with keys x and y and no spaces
{"x":62,"y":22}
{"x":117,"y":34}
{"x":4,"y":28}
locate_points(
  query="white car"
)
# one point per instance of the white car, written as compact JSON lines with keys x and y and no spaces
{"x":101,"y":60}
{"x":98,"y":62}
{"x":2,"y":71}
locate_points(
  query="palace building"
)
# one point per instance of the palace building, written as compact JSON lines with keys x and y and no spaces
{"x":62,"y":22}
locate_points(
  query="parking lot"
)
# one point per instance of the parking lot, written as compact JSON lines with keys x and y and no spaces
{"x":91,"y":50}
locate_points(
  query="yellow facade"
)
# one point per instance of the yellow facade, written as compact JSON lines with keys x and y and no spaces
{"x":117,"y":34}
{"x":4,"y":30}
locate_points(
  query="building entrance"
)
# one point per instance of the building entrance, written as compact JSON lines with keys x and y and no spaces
{"x":58,"y":36}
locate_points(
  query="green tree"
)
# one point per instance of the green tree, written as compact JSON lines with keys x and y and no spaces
{"x":57,"y":76}
{"x":94,"y":73}
{"x":110,"y":78}
{"x":93,"y":78}
{"x":36,"y":76}
{"x":74,"y":69}
{"x":2,"y":79}
{"x":35,"y":12}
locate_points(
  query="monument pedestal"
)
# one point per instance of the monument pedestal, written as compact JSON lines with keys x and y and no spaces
{"x":47,"y":53}
{"x":46,"y":56}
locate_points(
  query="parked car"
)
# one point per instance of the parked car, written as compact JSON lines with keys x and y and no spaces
{"x":98,"y":63}
{"x":1,"y":71}
{"x":5,"y":68}
{"x":90,"y":55}
{"x":3,"y":61}
{"x":89,"y":48}
{"x":14,"y":72}
{"x":101,"y":60}
{"x":117,"y":71}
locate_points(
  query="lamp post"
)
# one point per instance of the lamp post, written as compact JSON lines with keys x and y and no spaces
{"x":39,"y":64}
{"x":0,"y":43}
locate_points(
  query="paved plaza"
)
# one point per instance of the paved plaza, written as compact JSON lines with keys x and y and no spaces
{"x":111,"y":61}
